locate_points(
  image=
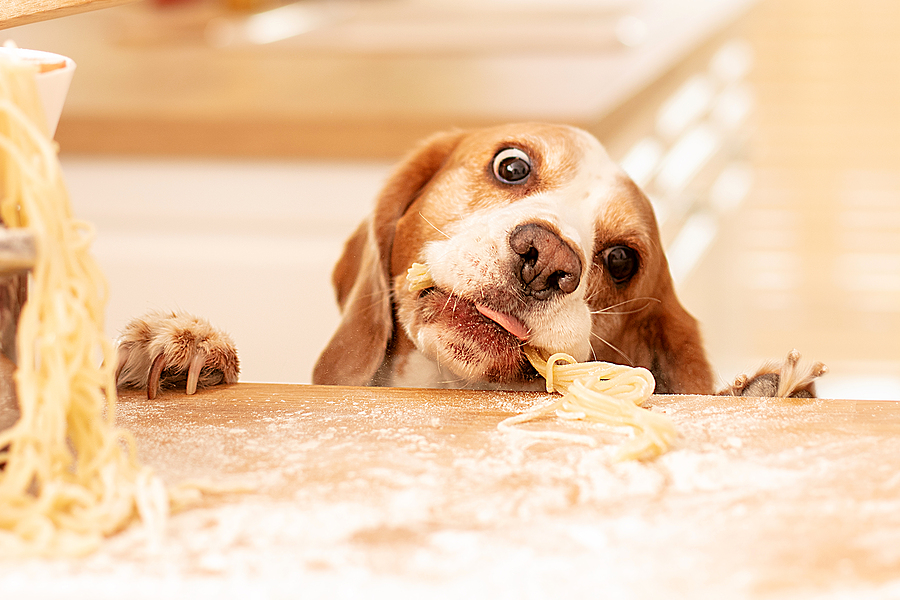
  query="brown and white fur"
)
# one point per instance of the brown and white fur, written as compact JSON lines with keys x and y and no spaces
{"x":168,"y":349}
{"x":566,"y":257}
{"x":496,"y":287}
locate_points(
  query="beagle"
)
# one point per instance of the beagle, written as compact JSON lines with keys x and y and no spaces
{"x":531,"y":234}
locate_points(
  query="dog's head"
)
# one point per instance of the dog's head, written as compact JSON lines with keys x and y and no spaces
{"x":531,"y":234}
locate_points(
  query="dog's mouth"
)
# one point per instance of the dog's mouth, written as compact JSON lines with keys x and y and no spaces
{"x":475,"y":340}
{"x":460,"y":309}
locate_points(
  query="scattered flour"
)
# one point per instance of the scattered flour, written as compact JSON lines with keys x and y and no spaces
{"x":357,"y":500}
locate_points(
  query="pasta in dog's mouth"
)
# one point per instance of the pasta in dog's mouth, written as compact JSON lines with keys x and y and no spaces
{"x":593,"y":391}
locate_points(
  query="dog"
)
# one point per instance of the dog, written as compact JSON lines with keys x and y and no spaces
{"x":531,"y":234}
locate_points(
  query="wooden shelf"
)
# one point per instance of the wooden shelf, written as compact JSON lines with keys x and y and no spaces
{"x":22,"y":12}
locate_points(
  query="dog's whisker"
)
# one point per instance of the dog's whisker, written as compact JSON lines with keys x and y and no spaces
{"x":619,"y":352}
{"x":608,"y":309}
{"x":588,"y":298}
{"x":447,"y":381}
{"x":620,"y":312}
{"x":376,"y":299}
{"x":591,"y":292}
{"x":424,"y":218}
{"x":447,"y":302}
{"x":453,"y":382}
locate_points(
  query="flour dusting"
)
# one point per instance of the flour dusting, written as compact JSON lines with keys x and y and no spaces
{"x":359,"y":497}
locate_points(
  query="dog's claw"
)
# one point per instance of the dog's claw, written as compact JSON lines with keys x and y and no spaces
{"x":194,"y":370}
{"x":740,"y":382}
{"x":156,"y":368}
{"x":174,"y":349}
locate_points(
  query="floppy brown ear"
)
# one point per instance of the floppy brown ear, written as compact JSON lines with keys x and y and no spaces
{"x":674,"y":350}
{"x":664,"y":338}
{"x":361,"y":277}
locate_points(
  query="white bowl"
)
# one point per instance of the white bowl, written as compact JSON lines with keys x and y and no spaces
{"x":52,"y":85}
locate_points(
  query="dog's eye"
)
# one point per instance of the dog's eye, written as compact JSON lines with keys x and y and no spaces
{"x":621,"y":263}
{"x":511,"y":165}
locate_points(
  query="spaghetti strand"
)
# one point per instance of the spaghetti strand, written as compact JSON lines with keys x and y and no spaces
{"x":592,"y":391}
{"x":71,"y":477}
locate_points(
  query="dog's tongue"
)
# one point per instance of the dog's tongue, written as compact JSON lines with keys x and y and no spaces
{"x":507,"y":322}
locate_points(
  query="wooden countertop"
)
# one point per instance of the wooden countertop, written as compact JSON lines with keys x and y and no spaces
{"x":369,"y":492}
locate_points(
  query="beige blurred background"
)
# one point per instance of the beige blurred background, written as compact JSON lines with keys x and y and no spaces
{"x":224,"y":153}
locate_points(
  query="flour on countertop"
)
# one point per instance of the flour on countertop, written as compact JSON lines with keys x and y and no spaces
{"x":418,"y":501}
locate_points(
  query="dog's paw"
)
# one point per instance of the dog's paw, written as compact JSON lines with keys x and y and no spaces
{"x":171,"y":349}
{"x":787,"y":379}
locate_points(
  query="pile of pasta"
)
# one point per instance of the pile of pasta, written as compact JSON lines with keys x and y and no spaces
{"x":598,"y":392}
{"x":604,"y":393}
{"x":70,"y":476}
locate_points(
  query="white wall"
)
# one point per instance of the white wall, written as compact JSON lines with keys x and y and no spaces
{"x":249,"y":245}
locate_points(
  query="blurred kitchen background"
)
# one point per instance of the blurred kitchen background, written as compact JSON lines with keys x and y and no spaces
{"x":224,"y":149}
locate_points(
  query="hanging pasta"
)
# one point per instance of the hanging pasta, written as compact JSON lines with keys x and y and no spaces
{"x":596,"y":391}
{"x":71,"y":476}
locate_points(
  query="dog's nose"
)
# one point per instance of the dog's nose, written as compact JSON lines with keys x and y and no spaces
{"x":546,"y":264}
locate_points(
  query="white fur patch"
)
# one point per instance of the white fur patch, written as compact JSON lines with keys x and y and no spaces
{"x":474,"y":256}
{"x":417,"y":371}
